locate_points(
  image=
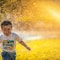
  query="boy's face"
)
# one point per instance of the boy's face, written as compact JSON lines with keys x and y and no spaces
{"x":6,"y":30}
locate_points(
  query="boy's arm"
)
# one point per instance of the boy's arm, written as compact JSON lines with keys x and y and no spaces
{"x":23,"y":43}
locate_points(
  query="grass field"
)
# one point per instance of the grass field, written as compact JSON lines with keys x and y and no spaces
{"x":46,"y":49}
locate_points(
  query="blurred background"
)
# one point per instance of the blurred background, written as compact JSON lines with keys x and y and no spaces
{"x":37,"y":17}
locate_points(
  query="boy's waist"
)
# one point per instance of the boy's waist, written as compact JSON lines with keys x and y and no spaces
{"x":9,"y":51}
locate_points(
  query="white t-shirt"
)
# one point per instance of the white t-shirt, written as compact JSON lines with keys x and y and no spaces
{"x":9,"y":43}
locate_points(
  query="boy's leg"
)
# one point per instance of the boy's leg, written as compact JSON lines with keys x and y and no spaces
{"x":8,"y":56}
{"x":5,"y":56}
{"x":13,"y":56}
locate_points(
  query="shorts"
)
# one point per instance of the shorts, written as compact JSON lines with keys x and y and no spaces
{"x":8,"y":55}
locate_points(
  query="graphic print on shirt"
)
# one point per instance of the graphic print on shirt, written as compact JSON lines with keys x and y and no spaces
{"x":8,"y":44}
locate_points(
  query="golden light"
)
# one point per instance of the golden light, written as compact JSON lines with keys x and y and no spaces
{"x":54,"y":14}
{"x":54,"y":11}
{"x":47,"y":11}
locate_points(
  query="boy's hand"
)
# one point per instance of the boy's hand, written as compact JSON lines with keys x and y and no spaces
{"x":25,"y":45}
{"x":28,"y":48}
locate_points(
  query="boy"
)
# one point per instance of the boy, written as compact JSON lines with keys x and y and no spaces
{"x":8,"y":40}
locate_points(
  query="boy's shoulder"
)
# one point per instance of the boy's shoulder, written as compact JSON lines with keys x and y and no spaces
{"x":1,"y":34}
{"x":14,"y":34}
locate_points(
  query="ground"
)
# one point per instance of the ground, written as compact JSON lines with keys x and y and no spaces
{"x":44,"y":49}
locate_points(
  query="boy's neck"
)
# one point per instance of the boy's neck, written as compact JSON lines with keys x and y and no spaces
{"x":7,"y":35}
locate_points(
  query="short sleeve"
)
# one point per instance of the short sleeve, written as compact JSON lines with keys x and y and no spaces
{"x":18,"y":38}
{"x":0,"y":39}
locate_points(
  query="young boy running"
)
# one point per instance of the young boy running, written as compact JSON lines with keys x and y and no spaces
{"x":8,"y":40}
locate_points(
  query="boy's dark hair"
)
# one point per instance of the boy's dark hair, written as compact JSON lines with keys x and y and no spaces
{"x":5,"y":23}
